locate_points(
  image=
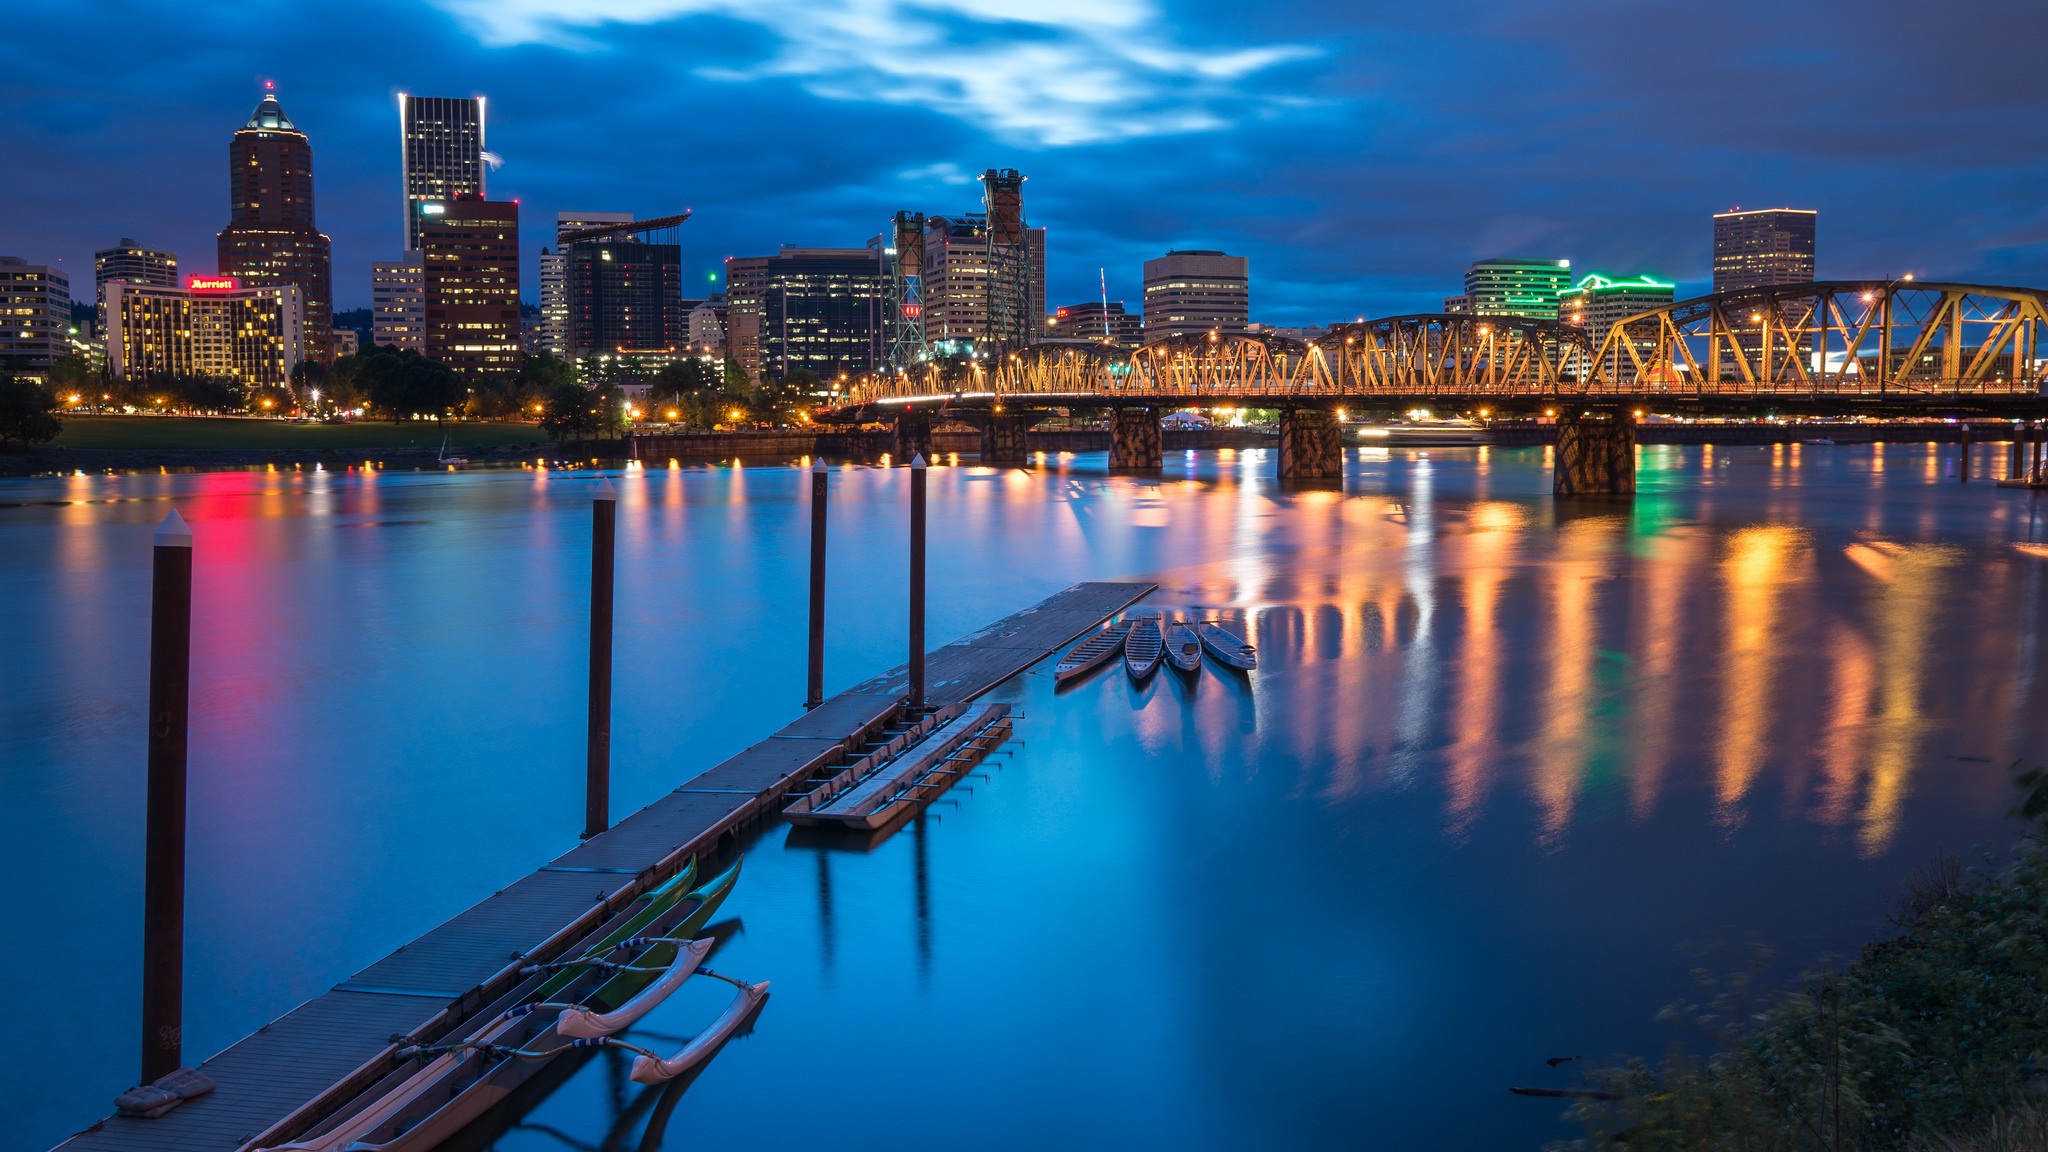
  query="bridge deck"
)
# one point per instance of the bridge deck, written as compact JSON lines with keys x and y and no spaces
{"x":276,"y":1082}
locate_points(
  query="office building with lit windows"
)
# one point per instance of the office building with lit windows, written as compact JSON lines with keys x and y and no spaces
{"x":1196,"y":291}
{"x":1514,"y":287}
{"x":469,"y":248}
{"x":746,"y":283}
{"x":1098,"y":323}
{"x":210,"y":326}
{"x":554,"y":278}
{"x":821,"y":309}
{"x":442,"y":157}
{"x":270,"y":239}
{"x":35,"y":309}
{"x":1760,"y":248}
{"x":398,"y":303}
{"x":130,"y":261}
{"x":623,"y":284}
{"x":1597,"y":303}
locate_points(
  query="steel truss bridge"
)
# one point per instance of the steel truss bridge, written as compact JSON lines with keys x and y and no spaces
{"x":1831,"y":344}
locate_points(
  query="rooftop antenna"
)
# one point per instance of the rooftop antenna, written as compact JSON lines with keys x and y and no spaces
{"x":1103,"y":275}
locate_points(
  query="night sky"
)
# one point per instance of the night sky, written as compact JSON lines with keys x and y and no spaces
{"x":1360,"y":154}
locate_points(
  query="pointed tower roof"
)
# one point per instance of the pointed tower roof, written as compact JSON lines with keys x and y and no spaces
{"x":270,"y":114}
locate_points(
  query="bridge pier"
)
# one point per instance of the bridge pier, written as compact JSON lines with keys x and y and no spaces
{"x":1004,"y":438}
{"x":1596,"y":455}
{"x":913,"y":437}
{"x":1135,"y":444}
{"x":1311,"y":445}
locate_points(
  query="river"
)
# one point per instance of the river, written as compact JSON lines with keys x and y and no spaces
{"x":1507,"y":767}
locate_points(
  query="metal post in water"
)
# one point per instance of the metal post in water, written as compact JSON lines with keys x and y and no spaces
{"x":814,"y":684}
{"x":604,"y":511}
{"x":1966,"y":451}
{"x":163,"y":882}
{"x":917,"y":492}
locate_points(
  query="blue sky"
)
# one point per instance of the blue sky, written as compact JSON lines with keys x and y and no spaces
{"x":1360,"y":154}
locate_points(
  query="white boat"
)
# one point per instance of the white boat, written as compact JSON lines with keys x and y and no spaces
{"x":1183,"y":647}
{"x":1228,"y":647}
{"x":652,"y":1069}
{"x":1143,"y":649}
{"x":1092,"y":652}
{"x":455,"y":461}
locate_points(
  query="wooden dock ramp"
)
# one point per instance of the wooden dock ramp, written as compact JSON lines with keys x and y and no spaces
{"x":278,"y":1081}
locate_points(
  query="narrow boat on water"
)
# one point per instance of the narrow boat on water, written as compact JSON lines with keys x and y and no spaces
{"x":1092,"y":652}
{"x":438,"y":1089}
{"x":1143,"y":650}
{"x":1183,"y":646}
{"x":1227,"y":647}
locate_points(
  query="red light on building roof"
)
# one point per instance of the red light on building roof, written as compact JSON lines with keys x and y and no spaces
{"x":212,"y":284}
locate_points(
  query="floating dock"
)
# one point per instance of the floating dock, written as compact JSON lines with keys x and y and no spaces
{"x":277,"y":1082}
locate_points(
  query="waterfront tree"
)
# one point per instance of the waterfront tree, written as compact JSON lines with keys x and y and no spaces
{"x":28,"y":412}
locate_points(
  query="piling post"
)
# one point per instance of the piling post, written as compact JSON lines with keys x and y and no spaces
{"x":915,"y":703}
{"x":814,"y":684}
{"x":1966,"y":451}
{"x":163,"y":884}
{"x":604,"y":510}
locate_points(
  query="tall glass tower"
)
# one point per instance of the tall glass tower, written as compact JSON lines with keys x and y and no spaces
{"x":443,"y":153}
{"x":270,"y":239}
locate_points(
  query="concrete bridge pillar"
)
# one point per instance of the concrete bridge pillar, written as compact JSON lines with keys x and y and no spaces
{"x":913,"y":436}
{"x":1596,"y":455}
{"x":1004,"y":438}
{"x":1134,"y":441}
{"x":1311,"y":445}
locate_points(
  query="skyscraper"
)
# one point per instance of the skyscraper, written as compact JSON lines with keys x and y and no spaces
{"x":470,"y":247}
{"x":956,"y":277}
{"x":270,"y":239}
{"x":1196,"y":291}
{"x":1763,"y":247}
{"x":746,"y":282}
{"x":1513,"y":287}
{"x":625,"y":290}
{"x":821,"y":309}
{"x":554,"y":278}
{"x":130,"y":261}
{"x":443,"y":153}
{"x":212,"y":326}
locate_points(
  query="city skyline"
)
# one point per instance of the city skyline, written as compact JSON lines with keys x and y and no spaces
{"x":1356,"y":180}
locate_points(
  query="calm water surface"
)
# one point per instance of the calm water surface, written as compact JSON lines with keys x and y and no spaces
{"x":1505,"y":763}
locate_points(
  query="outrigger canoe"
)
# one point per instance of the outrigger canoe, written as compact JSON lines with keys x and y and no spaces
{"x":1183,"y":647}
{"x":1225,"y":646}
{"x":1143,"y":649}
{"x":439,"y":1089}
{"x":1092,"y":652}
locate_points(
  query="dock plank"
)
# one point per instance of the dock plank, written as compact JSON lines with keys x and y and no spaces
{"x":303,"y":1064}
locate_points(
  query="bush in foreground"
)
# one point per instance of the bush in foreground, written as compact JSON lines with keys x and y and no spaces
{"x":1935,"y":1038}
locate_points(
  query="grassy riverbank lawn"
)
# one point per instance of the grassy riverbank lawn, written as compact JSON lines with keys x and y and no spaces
{"x":144,"y":433}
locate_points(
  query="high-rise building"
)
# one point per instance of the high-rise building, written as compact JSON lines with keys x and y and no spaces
{"x":955,"y":282}
{"x":1198,"y":290}
{"x":1597,"y":303}
{"x":821,"y":309}
{"x":554,"y":277}
{"x":270,"y":239}
{"x":470,"y":249}
{"x":443,"y":157}
{"x":1459,"y":305}
{"x":624,"y":288}
{"x":130,"y":261}
{"x":1513,"y":287}
{"x":1763,"y":247}
{"x":746,"y":283}
{"x":1097,"y":323}
{"x":212,"y":326}
{"x":35,"y":305}
{"x":398,"y":303}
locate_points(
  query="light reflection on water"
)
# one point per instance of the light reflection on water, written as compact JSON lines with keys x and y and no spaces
{"x":1503,"y":756}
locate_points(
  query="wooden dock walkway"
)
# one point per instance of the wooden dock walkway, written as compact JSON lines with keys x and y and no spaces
{"x":278,"y":1081}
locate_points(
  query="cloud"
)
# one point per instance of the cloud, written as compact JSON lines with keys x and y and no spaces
{"x":1055,"y":73}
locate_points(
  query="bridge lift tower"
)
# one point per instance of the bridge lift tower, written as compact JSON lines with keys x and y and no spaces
{"x":903,"y":310}
{"x":1010,"y":323}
